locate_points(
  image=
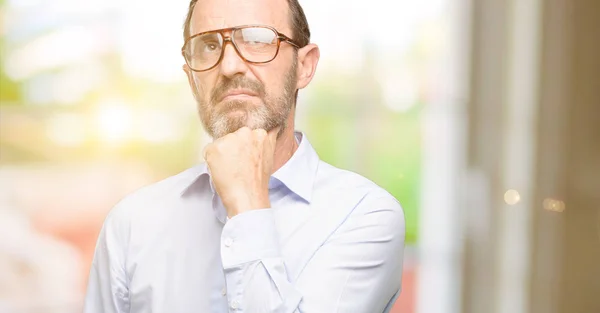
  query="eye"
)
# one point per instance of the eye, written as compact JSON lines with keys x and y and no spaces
{"x":211,"y":46}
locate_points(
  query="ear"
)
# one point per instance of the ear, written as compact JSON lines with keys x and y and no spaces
{"x":190,"y":75}
{"x":308,"y":58}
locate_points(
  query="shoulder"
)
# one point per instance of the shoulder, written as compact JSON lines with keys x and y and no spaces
{"x":361,"y":211}
{"x":151,"y":197}
{"x":356,"y":191}
{"x":334,"y":180}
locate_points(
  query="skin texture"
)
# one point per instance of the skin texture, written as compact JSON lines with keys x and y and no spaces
{"x":248,"y":109}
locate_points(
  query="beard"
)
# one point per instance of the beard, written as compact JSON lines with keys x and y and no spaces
{"x":220,"y":119}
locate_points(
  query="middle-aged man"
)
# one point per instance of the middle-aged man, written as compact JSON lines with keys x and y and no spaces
{"x":263,"y":225}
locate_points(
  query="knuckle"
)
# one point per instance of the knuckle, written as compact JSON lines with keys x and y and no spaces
{"x":260,"y":133}
{"x":243,"y":133}
{"x":208,"y":151}
{"x":225,"y":140}
{"x":220,"y":145}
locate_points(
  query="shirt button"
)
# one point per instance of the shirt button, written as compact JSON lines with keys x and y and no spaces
{"x":223,"y":292}
{"x":234,"y":305}
{"x":228,"y":242}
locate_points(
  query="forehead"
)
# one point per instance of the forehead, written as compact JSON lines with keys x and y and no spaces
{"x":217,"y":14}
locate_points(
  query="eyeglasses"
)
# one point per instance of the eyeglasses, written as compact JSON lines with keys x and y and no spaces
{"x":253,"y":43}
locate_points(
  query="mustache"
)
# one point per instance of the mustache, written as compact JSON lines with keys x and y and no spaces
{"x":238,"y":82}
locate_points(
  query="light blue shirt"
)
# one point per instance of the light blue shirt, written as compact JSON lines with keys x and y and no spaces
{"x":332,"y":241}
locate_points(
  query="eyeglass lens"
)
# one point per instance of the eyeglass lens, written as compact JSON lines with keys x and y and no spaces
{"x":255,"y":44}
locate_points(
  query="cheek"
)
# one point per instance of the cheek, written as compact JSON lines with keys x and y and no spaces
{"x":203,"y":84}
{"x":274,"y":74}
{"x":274,"y":82}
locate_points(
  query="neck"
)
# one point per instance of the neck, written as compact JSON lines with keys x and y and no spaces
{"x":286,"y":144}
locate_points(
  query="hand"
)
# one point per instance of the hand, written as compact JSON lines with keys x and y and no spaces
{"x":241,"y":164}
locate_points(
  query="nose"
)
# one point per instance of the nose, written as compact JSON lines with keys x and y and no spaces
{"x":232,"y":63}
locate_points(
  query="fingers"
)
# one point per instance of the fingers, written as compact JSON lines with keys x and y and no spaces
{"x":244,"y":131}
{"x":207,"y":150}
{"x":259,"y":133}
{"x":257,"y":138}
{"x":204,"y":152}
{"x":261,"y":136}
{"x":273,"y":133}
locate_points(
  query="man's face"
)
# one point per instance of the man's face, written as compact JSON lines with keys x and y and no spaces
{"x":236,"y":93}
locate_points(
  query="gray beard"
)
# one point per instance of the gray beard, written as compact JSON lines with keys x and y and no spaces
{"x":240,"y":113}
{"x":218,"y":120}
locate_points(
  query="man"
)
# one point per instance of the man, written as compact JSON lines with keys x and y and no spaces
{"x":263,"y":225}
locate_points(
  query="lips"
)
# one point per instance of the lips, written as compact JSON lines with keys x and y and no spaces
{"x":239,"y":92}
{"x":237,"y":87}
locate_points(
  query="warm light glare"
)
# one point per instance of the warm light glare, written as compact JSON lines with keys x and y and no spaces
{"x":114,"y":122}
{"x":155,"y":126}
{"x":512,"y":197}
{"x":553,"y":205}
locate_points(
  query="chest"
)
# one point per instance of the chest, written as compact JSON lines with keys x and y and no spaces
{"x":176,"y":267}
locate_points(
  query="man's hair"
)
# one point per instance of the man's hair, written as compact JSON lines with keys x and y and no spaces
{"x":300,"y":30}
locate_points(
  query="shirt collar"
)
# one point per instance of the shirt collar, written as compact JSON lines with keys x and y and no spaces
{"x":297,"y":174}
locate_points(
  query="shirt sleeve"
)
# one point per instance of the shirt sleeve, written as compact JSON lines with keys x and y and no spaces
{"x":107,"y":290}
{"x":357,"y":270}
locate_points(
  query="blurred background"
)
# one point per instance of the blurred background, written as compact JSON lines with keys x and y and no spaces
{"x":482,"y":117}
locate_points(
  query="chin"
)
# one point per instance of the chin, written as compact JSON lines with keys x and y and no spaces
{"x":237,"y":114}
{"x":239,"y":104}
